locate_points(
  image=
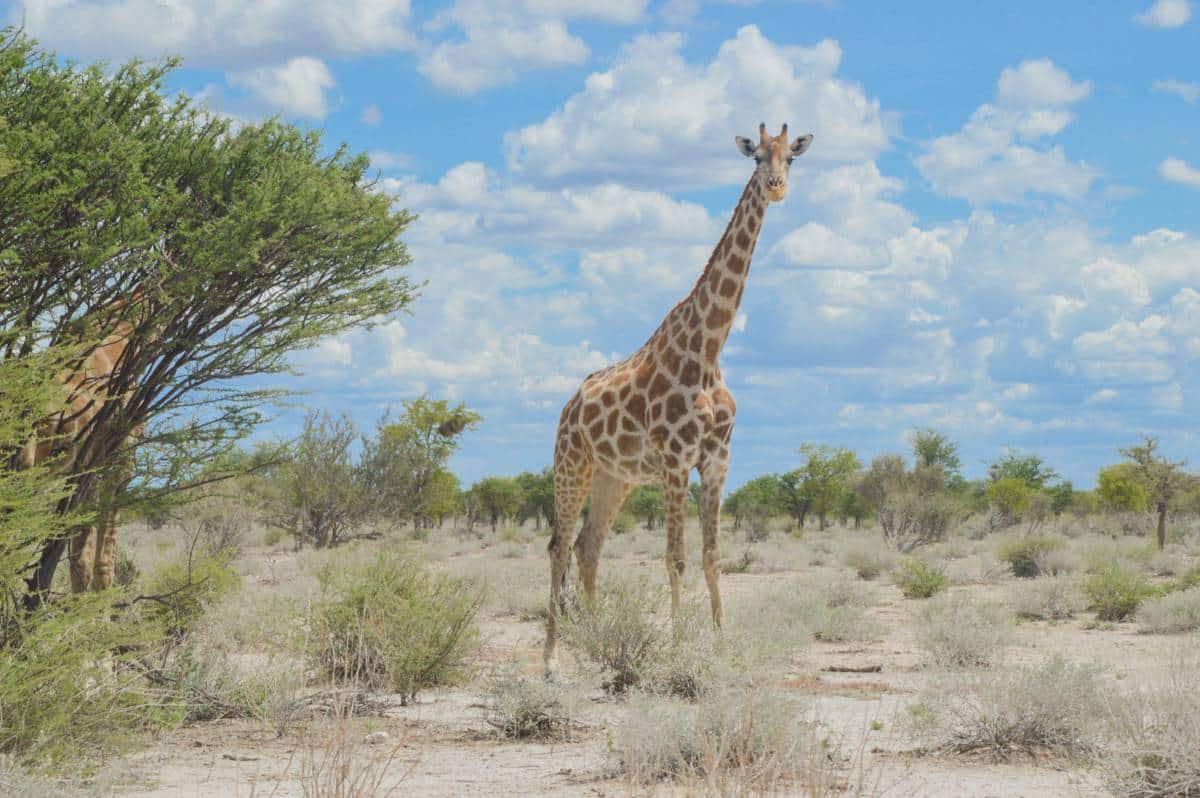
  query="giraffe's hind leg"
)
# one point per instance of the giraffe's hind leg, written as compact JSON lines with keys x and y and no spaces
{"x":572,"y":480}
{"x":81,"y":553}
{"x":106,"y":552}
{"x":608,"y":496}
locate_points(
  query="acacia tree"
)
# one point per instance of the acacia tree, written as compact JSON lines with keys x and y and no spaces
{"x":537,"y":496}
{"x":646,"y":503}
{"x":826,"y":475}
{"x":231,"y":246}
{"x":497,"y":497}
{"x":1160,"y":477}
{"x":401,"y":465}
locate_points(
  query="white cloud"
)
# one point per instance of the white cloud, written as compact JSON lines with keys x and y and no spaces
{"x":386,"y":159}
{"x":814,"y":245}
{"x":492,"y":56}
{"x":1112,"y":281}
{"x":994,"y":157}
{"x":371,"y":115}
{"x":1188,"y":92}
{"x":1165,"y":14}
{"x":1102,"y":395}
{"x":297,"y":87}
{"x":1178,"y":171}
{"x":500,"y":41}
{"x":223,"y":34}
{"x":1128,"y":349}
{"x":656,"y":119}
{"x":1039,"y":84}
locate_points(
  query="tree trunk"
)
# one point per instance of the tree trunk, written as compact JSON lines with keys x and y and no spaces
{"x":1162,"y":525}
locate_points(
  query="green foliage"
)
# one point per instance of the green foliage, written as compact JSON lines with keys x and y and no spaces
{"x":188,"y":586}
{"x":911,"y":506}
{"x":29,"y":497}
{"x":403,"y":466}
{"x":1120,"y":488}
{"x":1022,"y":554}
{"x":933,"y":449}
{"x":646,"y":504}
{"x":322,"y":497}
{"x":68,"y":693}
{"x":617,"y":633}
{"x":919,"y":579}
{"x":1115,"y":594}
{"x":232,"y":245}
{"x":389,"y":624}
{"x":824,"y":477}
{"x":496,"y":498}
{"x":1029,"y":469}
{"x":537,"y":496}
{"x":1009,"y":496}
{"x":756,"y":502}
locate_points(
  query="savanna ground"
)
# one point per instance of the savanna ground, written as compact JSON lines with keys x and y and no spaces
{"x":823,"y":681}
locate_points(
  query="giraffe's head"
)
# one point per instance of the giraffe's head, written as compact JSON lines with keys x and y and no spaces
{"x":774,"y":155}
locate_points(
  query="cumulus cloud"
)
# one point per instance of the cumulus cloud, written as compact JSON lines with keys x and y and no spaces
{"x":995,"y":157}
{"x":220,"y":35}
{"x":656,"y":119}
{"x":1165,"y":14}
{"x":297,"y":87}
{"x":371,"y":115}
{"x":1039,"y":84}
{"x":501,"y":41}
{"x":1178,"y":171}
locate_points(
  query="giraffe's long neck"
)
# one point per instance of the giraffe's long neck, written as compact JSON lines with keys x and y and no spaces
{"x":713,"y":302}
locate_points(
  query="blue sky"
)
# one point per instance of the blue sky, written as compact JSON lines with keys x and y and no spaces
{"x":994,"y":233}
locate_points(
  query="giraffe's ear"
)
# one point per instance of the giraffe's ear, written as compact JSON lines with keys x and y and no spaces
{"x":801,"y":144}
{"x":746,"y":146}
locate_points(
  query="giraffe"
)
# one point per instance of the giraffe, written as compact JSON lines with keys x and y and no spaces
{"x":664,"y":410}
{"x":92,"y":550}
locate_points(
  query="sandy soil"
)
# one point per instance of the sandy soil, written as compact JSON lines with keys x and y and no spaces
{"x":442,"y":745}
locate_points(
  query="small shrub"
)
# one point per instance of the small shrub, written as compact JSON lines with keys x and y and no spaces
{"x":954,"y":633}
{"x":1056,"y":562}
{"x":187,"y":586}
{"x":623,"y":523}
{"x":843,"y":623}
{"x":1171,"y":613}
{"x":1022,"y":553}
{"x":68,"y":691}
{"x":740,"y":565}
{"x":1052,"y":707}
{"x":527,"y":709}
{"x":868,"y":559}
{"x":127,"y":571}
{"x":746,"y":738}
{"x":1189,"y":578}
{"x":388,"y":623}
{"x":919,"y":579}
{"x":1154,"y":739}
{"x":1049,"y":598}
{"x":1114,"y":593}
{"x":274,"y":535}
{"x":618,"y":633}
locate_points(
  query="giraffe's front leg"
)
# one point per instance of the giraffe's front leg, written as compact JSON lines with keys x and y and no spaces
{"x":675,"y":498}
{"x":712,"y":482}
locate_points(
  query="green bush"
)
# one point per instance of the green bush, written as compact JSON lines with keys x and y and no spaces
{"x":1022,"y":554}
{"x":919,"y":579}
{"x":618,"y":633}
{"x":67,"y":696}
{"x":1114,"y":593}
{"x":187,"y":586}
{"x":389,"y":624}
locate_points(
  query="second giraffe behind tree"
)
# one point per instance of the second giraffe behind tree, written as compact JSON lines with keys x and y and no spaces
{"x":664,"y":410}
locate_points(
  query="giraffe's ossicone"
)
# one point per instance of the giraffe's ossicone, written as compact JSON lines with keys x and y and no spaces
{"x":664,"y":410}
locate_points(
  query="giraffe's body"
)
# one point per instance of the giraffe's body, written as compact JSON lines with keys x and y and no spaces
{"x":92,"y":550}
{"x":664,"y":410}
